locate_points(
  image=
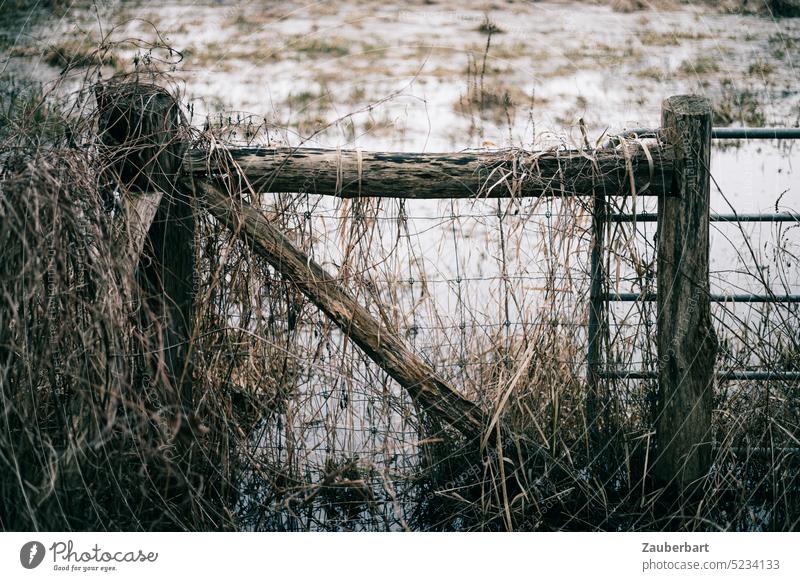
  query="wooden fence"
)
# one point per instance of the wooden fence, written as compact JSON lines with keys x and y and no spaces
{"x":144,"y":135}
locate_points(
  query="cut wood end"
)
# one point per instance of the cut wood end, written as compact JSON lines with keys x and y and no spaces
{"x":687,"y":105}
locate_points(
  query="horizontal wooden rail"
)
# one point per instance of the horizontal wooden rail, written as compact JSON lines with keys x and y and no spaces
{"x":498,"y":174}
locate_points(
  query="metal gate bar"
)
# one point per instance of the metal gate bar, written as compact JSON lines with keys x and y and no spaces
{"x":653,"y":217}
{"x":723,"y":375}
{"x":717,"y":298}
{"x":728,"y":132}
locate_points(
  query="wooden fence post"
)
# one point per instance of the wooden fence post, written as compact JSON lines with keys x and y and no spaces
{"x":687,"y":344}
{"x":142,"y":132}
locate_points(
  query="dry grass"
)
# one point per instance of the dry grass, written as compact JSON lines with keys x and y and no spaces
{"x":91,"y":437}
{"x":699,"y":67}
{"x":738,"y":106}
{"x":487,"y":97}
{"x":670,"y":38}
{"x":652,"y":74}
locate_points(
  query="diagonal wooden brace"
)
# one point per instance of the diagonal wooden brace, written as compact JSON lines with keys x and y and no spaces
{"x":382,"y":345}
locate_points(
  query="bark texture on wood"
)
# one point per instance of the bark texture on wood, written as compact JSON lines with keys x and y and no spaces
{"x":142,"y":133}
{"x":139,"y":209}
{"x":379,"y":343}
{"x":687,"y":344}
{"x":349,"y":174}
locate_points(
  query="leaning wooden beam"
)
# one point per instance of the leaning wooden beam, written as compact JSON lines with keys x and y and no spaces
{"x":646,"y":170}
{"x":379,"y":343}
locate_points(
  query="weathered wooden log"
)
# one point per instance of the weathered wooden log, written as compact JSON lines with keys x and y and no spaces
{"x":512,"y":173}
{"x":687,"y":344}
{"x":379,"y":343}
{"x":142,"y":134}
